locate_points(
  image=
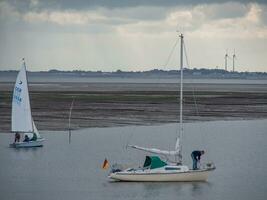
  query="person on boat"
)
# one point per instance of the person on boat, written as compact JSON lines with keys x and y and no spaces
{"x":17,"y":137}
{"x":34,"y":137}
{"x":26,"y":138}
{"x":196,"y":155}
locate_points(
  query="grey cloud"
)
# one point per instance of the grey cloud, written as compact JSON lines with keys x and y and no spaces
{"x":135,"y":10}
{"x":24,"y":5}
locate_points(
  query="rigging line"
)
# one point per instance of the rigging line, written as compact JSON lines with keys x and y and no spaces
{"x":194,"y":98}
{"x":168,"y":59}
{"x":170,"y":55}
{"x":164,"y":67}
{"x":193,"y":88}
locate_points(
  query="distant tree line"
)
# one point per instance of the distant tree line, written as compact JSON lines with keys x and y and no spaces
{"x":191,"y":73}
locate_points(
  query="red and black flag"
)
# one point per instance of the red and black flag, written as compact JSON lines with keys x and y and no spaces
{"x":105,"y":164}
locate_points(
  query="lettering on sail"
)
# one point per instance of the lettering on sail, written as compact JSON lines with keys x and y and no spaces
{"x":17,"y":95}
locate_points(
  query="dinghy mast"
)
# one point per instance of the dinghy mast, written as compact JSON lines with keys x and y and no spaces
{"x":34,"y":129}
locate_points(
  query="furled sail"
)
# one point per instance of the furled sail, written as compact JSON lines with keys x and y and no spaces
{"x":21,"y":109}
{"x":156,"y":151}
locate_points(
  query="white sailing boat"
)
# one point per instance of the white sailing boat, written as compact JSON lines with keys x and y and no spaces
{"x":155,"y":169}
{"x":21,"y":120}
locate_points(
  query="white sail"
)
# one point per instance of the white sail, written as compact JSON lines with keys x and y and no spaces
{"x":156,"y":151}
{"x":30,"y":134}
{"x":21,"y":109}
{"x":36,"y":131}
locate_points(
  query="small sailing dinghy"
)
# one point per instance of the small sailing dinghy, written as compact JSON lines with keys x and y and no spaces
{"x":155,"y":169}
{"x":21,"y":120}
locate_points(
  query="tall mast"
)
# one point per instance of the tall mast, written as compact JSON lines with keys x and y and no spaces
{"x":181,"y":86}
{"x":178,"y":146}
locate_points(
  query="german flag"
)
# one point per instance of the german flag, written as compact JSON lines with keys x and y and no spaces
{"x":105,"y":164}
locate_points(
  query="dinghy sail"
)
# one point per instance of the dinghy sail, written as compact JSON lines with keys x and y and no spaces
{"x":21,"y":118}
{"x":21,"y":109}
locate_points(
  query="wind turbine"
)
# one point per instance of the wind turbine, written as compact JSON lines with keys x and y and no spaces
{"x":225,"y":60}
{"x":234,"y":57}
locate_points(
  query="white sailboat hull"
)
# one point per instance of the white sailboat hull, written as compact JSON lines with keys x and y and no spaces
{"x":189,"y":176}
{"x":37,"y":143}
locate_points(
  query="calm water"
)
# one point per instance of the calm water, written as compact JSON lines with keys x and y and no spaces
{"x":73,"y":171}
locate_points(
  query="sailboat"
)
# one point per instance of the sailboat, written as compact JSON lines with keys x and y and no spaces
{"x":157,"y":170}
{"x":21,"y":119}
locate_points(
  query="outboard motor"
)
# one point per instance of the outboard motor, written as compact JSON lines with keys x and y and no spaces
{"x":116,"y":168}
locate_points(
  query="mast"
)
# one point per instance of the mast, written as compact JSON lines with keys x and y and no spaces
{"x":178,"y":146}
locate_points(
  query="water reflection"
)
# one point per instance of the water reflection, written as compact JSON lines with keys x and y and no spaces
{"x":155,"y":190}
{"x":25,"y":153}
{"x":197,"y":189}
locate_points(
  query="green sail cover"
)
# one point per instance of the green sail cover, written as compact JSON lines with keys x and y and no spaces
{"x":154,"y":162}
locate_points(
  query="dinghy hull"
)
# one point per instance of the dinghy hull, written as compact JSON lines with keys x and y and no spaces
{"x":189,"y":176}
{"x":37,"y":143}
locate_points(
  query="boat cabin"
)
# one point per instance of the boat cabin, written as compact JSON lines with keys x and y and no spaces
{"x":154,"y":162}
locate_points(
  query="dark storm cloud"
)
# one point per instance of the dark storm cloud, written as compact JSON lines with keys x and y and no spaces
{"x":23,"y":5}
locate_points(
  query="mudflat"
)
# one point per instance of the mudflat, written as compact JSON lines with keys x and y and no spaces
{"x":108,"y":104}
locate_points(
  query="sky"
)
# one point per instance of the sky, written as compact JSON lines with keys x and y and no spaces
{"x":132,"y":35}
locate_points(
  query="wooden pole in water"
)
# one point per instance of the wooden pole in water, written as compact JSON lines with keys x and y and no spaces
{"x":71,"y":106}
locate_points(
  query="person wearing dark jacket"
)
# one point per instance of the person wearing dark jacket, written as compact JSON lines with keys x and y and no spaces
{"x":26,"y":138}
{"x":17,"y":137}
{"x":196,"y":155}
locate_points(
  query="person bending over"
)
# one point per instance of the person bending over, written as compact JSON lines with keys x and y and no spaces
{"x":196,"y":155}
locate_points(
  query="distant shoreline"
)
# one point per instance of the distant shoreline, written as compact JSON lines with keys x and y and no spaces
{"x":126,"y":76}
